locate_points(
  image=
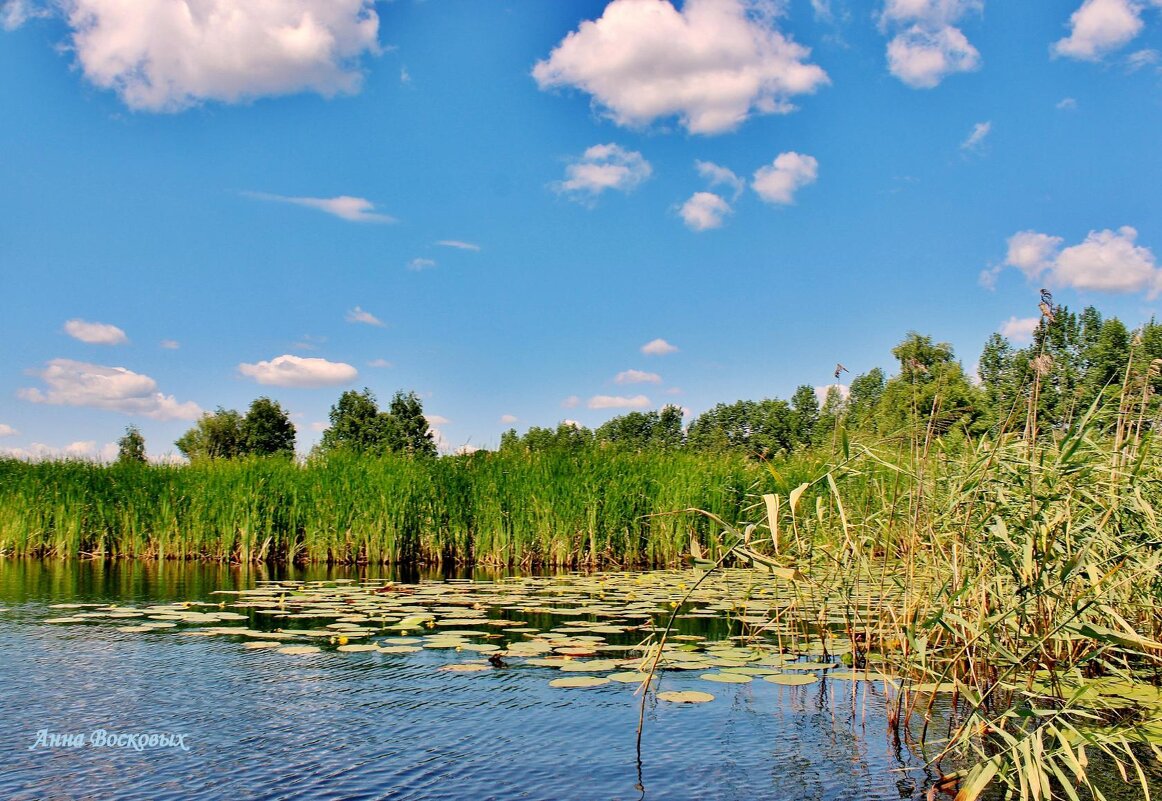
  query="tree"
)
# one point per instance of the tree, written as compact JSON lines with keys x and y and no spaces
{"x":805,"y":408}
{"x":214,"y":436}
{"x":760,"y":428}
{"x":267,"y":430}
{"x":931,"y":391}
{"x":131,"y":447}
{"x":357,"y":425}
{"x":407,"y":428}
{"x":865,"y":394}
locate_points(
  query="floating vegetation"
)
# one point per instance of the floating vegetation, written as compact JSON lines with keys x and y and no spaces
{"x":685,"y":696}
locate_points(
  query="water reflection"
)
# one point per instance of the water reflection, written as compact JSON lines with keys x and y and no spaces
{"x":263,"y":725}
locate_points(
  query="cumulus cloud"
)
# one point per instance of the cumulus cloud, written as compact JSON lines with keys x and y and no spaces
{"x":975,"y":139}
{"x":73,"y":383}
{"x":822,"y":392}
{"x":704,"y":211}
{"x":296,"y":371}
{"x":353,"y":209}
{"x":1142,"y":58}
{"x":1098,"y":27}
{"x":1107,"y":261}
{"x":7,"y":430}
{"x":927,"y":46}
{"x":618,"y":402}
{"x":1067,"y":104}
{"x":718,"y":175}
{"x":81,"y":449}
{"x":362,"y":316}
{"x":571,"y":402}
{"x":1020,"y":329}
{"x":637,"y":377}
{"x":169,"y":344}
{"x":508,"y":419}
{"x":381,"y":364}
{"x":603,"y":167}
{"x":436,"y":420}
{"x":778,"y":181}
{"x":658,"y":347}
{"x":712,"y":64}
{"x":459,"y":245}
{"x":418,"y":265}
{"x":168,"y":55}
{"x":95,"y":333}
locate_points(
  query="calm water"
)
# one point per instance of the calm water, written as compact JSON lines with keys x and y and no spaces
{"x":261,"y":725}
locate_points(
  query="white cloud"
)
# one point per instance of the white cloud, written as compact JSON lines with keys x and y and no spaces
{"x":7,"y":430}
{"x":353,"y":209}
{"x":718,"y":175}
{"x":416,"y":265}
{"x":168,"y":55}
{"x":296,"y":371}
{"x":95,"y":333}
{"x":358,"y":315}
{"x":704,"y":211}
{"x":571,"y":402}
{"x":712,"y":64}
{"x":508,"y":419}
{"x":381,"y":364}
{"x":637,"y":377}
{"x":975,"y":139}
{"x":1142,"y":58}
{"x":14,"y":13}
{"x":1020,"y":329}
{"x":927,"y":46}
{"x":1098,"y":27}
{"x":436,"y":420}
{"x":1032,"y":253}
{"x":922,"y":58}
{"x":1066,"y":104}
{"x":777,"y":182}
{"x":658,"y":347}
{"x":456,"y":243}
{"x":822,"y":392}
{"x":603,"y":167}
{"x":1107,"y":261}
{"x":571,"y":423}
{"x":618,"y":402}
{"x":72,"y":383}
{"x":320,"y":425}
{"x":169,"y":344}
{"x":81,"y":449}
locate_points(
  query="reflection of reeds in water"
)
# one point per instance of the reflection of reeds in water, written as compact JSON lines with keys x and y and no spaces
{"x":593,"y":506}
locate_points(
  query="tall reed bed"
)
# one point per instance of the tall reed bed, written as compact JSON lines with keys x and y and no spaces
{"x":597,"y":506}
{"x":1017,"y":579}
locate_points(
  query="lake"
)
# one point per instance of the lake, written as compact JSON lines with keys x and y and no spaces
{"x":239,"y":722}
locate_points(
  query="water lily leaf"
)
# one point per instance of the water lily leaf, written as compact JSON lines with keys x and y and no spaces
{"x":579,"y":681}
{"x":467,"y":667}
{"x":260,"y":645}
{"x":299,"y":649}
{"x":792,"y":679}
{"x":685,"y":697}
{"x":727,"y":678}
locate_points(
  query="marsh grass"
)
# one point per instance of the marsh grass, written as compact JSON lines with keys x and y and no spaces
{"x":594,"y":507}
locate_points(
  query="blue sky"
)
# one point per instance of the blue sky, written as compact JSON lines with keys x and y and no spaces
{"x":500,"y":205}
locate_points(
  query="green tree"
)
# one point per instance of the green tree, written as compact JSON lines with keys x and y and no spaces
{"x":131,"y":447}
{"x":805,"y":414}
{"x":357,"y":425}
{"x":267,"y":430}
{"x":931,"y":391}
{"x":866,"y":391}
{"x":214,"y":436}
{"x":759,"y":428}
{"x":406,"y":427}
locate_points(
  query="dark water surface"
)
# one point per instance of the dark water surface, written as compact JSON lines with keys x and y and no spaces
{"x":263,"y":725}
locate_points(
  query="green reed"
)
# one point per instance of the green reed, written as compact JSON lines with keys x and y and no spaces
{"x":598,"y":506}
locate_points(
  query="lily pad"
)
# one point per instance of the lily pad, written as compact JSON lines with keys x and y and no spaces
{"x":792,"y":679}
{"x":685,"y":697}
{"x":727,"y":678}
{"x":579,"y":681}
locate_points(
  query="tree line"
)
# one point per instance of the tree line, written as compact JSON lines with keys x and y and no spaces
{"x":1072,"y":361}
